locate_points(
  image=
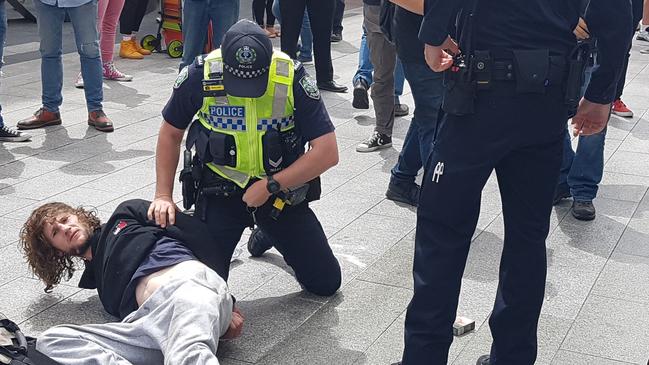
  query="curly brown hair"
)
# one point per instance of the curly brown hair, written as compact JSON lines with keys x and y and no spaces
{"x":46,"y":262}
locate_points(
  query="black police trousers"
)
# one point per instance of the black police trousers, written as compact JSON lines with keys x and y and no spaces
{"x":518,"y":135}
{"x":296,"y":234}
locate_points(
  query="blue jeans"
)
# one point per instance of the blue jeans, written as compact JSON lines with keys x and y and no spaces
{"x":196,"y":16}
{"x":582,"y":171}
{"x":3,"y":36}
{"x":427,"y":91}
{"x":306,"y":38}
{"x":50,"y":29}
{"x":365,"y":68}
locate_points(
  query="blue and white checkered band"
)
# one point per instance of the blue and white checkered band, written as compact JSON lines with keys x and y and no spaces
{"x":226,"y":123}
{"x":245,"y":74}
{"x":266,"y":124}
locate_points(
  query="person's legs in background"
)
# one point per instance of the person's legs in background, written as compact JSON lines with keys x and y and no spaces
{"x":362,"y":81}
{"x":107,"y":19}
{"x":291,"y":13}
{"x":337,"y":29}
{"x":195,"y":20}
{"x":581,"y":171}
{"x":270,"y":20}
{"x":427,"y":91}
{"x":258,"y":7}
{"x":129,"y":24}
{"x":400,"y":110}
{"x":363,"y":77}
{"x":643,"y":34}
{"x":50,"y":28}
{"x":306,"y":41}
{"x":321,"y":17}
{"x":305,"y":48}
{"x":223,"y":14}
{"x":84,"y":22}
{"x":108,"y":12}
{"x":7,"y":134}
{"x":384,"y":58}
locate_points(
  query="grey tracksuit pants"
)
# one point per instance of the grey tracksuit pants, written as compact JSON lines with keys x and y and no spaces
{"x":180,"y":323}
{"x":384,"y":57}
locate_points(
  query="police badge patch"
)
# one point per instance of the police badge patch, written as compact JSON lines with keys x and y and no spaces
{"x":182,"y":76}
{"x":310,"y":88}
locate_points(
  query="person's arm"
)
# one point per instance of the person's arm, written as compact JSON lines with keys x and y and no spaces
{"x":434,"y":33}
{"x":185,"y":101}
{"x":314,"y":125}
{"x":613,"y":40}
{"x":163,"y":208}
{"x":322,"y":155}
{"x":413,"y":6}
{"x":437,"y":17}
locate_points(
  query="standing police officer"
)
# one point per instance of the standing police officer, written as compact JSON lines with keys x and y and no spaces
{"x":507,"y":109}
{"x":256,"y":109}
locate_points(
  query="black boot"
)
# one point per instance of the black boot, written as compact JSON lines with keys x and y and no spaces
{"x":361,"y":99}
{"x":583,"y":210}
{"x":483,"y":360}
{"x":403,"y":192}
{"x":258,"y":243}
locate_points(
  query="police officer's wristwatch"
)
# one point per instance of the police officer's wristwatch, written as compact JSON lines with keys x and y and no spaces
{"x":272,"y":185}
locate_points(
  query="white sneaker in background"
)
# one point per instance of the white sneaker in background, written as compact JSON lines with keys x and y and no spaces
{"x":643,"y":35}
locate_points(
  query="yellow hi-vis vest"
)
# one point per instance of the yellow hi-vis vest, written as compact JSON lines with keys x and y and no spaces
{"x":274,"y":109}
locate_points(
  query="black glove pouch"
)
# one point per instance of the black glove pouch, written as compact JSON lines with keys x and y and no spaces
{"x":532,"y":68}
{"x":223,"y":149}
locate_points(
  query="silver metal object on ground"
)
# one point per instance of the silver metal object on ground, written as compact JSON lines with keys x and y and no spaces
{"x":463,"y":325}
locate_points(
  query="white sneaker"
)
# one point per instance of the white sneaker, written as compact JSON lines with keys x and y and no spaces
{"x":79,"y":83}
{"x":643,"y":35}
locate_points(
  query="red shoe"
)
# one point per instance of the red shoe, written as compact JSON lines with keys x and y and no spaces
{"x":42,"y":118}
{"x":620,"y":109}
{"x":100,"y":121}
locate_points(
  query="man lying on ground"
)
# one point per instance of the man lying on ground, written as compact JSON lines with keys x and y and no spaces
{"x":166,"y":284}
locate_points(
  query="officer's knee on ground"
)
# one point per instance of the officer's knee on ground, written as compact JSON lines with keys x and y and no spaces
{"x":324,"y":284}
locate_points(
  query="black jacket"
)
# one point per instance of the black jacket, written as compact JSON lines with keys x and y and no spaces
{"x":120,"y":246}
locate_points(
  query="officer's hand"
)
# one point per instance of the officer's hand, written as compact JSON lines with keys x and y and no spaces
{"x":163,"y":210}
{"x":257,"y":194}
{"x":438,"y":58}
{"x":236,"y":325}
{"x":591,"y":118}
{"x":581,"y":30}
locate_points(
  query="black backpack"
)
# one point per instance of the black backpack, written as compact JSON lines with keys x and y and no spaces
{"x":16,"y":349}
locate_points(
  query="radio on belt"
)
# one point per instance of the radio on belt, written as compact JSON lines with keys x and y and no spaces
{"x":463,"y":325}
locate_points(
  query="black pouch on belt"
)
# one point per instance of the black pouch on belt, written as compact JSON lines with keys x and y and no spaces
{"x":459,"y":89}
{"x":532,"y":68}
{"x":223,"y":149}
{"x":273,"y":151}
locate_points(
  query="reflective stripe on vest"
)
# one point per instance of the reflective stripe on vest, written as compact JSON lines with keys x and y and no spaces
{"x":248,"y":119}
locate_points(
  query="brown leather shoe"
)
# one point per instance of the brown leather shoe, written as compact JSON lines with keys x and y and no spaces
{"x":100,"y":121}
{"x":42,"y":118}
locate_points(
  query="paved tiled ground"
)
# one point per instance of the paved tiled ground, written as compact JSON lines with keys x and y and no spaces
{"x":597,"y":293}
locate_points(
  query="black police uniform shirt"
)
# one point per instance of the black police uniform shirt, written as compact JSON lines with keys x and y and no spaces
{"x":311,"y":117}
{"x":542,"y":24}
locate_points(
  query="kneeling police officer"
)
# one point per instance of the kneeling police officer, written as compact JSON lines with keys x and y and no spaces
{"x":255,"y":110}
